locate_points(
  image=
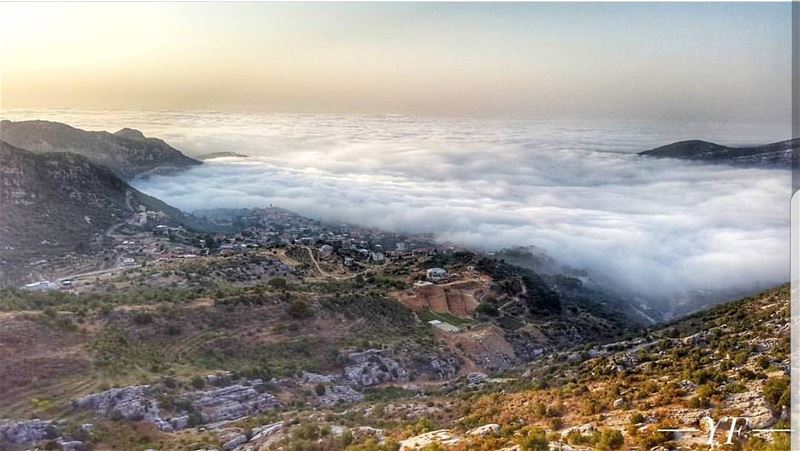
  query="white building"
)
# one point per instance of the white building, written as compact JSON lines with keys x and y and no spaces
{"x":42,"y":285}
{"x":326,"y":251}
{"x":441,"y":325}
{"x":436,"y":274}
{"x":377,"y":257}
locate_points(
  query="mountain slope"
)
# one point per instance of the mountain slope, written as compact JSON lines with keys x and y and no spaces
{"x":776,"y":154}
{"x":127,"y":152}
{"x":61,"y":202}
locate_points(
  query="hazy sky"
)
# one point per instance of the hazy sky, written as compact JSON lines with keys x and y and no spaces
{"x":722,"y":62}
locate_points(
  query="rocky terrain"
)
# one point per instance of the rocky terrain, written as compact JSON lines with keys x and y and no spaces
{"x":779,"y":154}
{"x":731,"y":360}
{"x":127,"y":152}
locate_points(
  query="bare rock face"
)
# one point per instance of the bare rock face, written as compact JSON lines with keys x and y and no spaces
{"x":231,"y":402}
{"x":29,"y":431}
{"x":234,"y":441}
{"x":70,"y":445}
{"x":443,"y":367}
{"x":139,"y":403}
{"x":371,"y":368}
{"x":336,"y":394}
{"x":477,"y":378}
{"x":759,"y":416}
{"x":442,"y":437}
{"x":314,"y":378}
{"x":266,"y":431}
{"x":129,"y":403}
{"x":486,"y":429}
{"x":583,"y":429}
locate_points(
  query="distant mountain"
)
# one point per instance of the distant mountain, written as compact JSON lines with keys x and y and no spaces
{"x":777,"y":154}
{"x":56,"y":203}
{"x":127,"y":152}
{"x":212,"y":155}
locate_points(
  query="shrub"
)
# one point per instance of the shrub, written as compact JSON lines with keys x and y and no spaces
{"x":486,"y":308}
{"x":198,"y":382}
{"x":299,"y":310}
{"x":610,"y":439}
{"x":534,"y":440}
{"x":278,"y":283}
{"x":776,"y":392}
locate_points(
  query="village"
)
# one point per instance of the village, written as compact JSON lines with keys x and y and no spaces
{"x":343,"y":249}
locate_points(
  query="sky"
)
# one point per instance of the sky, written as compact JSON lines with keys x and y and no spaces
{"x":676,"y":61}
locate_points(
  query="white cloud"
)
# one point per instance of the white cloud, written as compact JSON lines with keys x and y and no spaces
{"x":655,"y":227}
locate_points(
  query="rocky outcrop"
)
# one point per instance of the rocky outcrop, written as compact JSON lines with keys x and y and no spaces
{"x":139,"y":403}
{"x":442,"y":437}
{"x":486,"y":429}
{"x":231,"y":402}
{"x":759,"y":415}
{"x":440,"y":366}
{"x":477,"y":378}
{"x":583,"y":429}
{"x":25,"y":432}
{"x":266,"y":431}
{"x":134,"y":403}
{"x":233,"y":441}
{"x":339,"y":394}
{"x":371,"y":368}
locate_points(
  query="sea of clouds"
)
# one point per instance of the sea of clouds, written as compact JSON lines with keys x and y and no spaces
{"x":657,"y":227}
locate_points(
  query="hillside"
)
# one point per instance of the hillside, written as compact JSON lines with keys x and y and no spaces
{"x":282,"y":329}
{"x":317,"y":366}
{"x":777,"y":154}
{"x":127,"y":152}
{"x":62,"y":203}
{"x":268,"y":339}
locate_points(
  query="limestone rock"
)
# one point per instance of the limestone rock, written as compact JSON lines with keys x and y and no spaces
{"x":486,"y":429}
{"x":442,"y":437}
{"x":371,"y":368}
{"x":234,"y":442}
{"x":129,"y":403}
{"x":476,"y":378}
{"x":231,"y":402}
{"x":24,"y":432}
{"x":339,"y":394}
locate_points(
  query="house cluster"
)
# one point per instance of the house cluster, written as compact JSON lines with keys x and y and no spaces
{"x":269,"y":228}
{"x":143,"y":216}
{"x":276,"y":227}
{"x":164,"y":230}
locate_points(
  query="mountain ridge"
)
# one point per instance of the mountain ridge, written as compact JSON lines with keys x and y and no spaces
{"x":127,"y":152}
{"x":777,"y":154}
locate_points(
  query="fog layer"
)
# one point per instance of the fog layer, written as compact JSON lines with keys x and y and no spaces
{"x":659,"y":228}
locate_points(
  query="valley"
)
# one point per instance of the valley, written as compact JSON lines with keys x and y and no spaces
{"x":128,"y":324}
